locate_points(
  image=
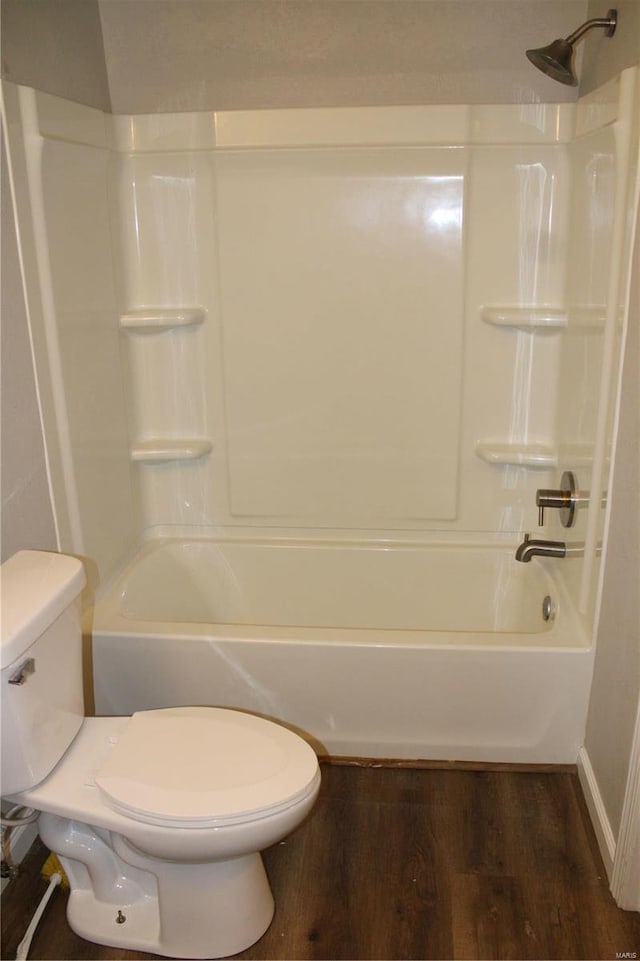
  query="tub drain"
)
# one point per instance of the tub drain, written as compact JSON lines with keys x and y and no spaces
{"x":548,"y":609}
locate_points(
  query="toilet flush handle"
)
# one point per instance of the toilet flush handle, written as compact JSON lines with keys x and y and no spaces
{"x":26,"y":669}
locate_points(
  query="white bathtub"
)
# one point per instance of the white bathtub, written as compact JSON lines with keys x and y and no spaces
{"x":375,"y":650}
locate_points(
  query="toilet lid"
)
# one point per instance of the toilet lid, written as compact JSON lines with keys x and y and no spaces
{"x":204,"y":766}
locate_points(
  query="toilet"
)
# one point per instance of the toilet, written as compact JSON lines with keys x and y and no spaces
{"x":159,"y":818}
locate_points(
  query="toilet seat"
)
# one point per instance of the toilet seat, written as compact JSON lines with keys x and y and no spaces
{"x":196,"y":767}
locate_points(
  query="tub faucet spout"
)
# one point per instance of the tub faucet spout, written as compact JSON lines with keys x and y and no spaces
{"x":531,"y":547}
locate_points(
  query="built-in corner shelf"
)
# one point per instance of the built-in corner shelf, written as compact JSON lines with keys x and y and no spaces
{"x":525,"y":318}
{"x":533,"y":456}
{"x":162,"y":450}
{"x":148,"y":320}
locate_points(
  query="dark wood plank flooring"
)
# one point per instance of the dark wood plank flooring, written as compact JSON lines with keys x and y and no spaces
{"x":408,"y":863}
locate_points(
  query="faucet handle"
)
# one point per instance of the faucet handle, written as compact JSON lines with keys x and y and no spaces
{"x":564,"y":499}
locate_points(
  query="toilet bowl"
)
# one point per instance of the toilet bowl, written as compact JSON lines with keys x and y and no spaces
{"x":158,"y":818}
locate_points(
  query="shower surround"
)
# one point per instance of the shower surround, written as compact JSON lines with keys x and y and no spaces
{"x":301,"y":374}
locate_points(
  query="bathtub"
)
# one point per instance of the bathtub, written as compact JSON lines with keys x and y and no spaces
{"x":375,"y":650}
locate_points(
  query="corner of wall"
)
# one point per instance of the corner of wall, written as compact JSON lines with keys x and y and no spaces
{"x":27,"y":512}
{"x":57,"y":48}
{"x":597,"y":811}
{"x":605,"y":57}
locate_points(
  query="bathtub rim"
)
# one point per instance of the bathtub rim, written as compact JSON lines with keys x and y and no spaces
{"x":110,"y":624}
{"x":103,"y":614}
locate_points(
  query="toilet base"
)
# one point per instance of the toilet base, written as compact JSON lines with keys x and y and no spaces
{"x":97,"y":921}
{"x":227,"y":909}
{"x":123,"y":898}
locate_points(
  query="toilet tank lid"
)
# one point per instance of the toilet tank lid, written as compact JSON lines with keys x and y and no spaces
{"x":35,"y":588}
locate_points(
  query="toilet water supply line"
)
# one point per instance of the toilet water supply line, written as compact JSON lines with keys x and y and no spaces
{"x":23,"y":948}
{"x":12,"y":820}
{"x":17,"y":817}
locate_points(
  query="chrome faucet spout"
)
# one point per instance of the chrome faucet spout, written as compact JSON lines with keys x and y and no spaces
{"x":531,"y":547}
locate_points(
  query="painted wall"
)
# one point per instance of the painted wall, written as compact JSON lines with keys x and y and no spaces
{"x":27,"y":515}
{"x":616,"y":682}
{"x":604,"y":57}
{"x":187,"y":55}
{"x":56,"y":46}
{"x":273,"y":53}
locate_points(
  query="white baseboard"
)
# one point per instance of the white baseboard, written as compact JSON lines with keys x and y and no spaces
{"x":597,"y":811}
{"x":21,"y":840}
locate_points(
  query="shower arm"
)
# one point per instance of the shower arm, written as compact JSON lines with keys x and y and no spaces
{"x":609,"y":22}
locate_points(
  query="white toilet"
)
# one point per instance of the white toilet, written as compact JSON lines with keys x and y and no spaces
{"x":158,"y":819}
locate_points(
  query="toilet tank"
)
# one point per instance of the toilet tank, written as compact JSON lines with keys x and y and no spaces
{"x":40,"y":664}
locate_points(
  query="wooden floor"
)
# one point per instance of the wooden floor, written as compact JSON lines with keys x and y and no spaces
{"x":405,"y":863}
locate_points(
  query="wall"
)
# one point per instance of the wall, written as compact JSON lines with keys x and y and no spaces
{"x":27,"y":515}
{"x":374,"y":398}
{"x":56,"y":46}
{"x":165,"y":55}
{"x":616,"y":682}
{"x":60,"y":161}
{"x":186,"y":55}
{"x":615,"y":694}
{"x":605,"y":57}
{"x":591,"y":345}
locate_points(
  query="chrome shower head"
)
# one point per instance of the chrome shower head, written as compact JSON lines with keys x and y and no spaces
{"x":556,"y":60}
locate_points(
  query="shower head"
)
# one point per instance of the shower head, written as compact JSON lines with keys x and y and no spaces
{"x":556,"y":60}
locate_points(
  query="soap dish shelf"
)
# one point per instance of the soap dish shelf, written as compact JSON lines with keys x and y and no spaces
{"x":163,"y":450}
{"x":149,"y":320}
{"x":533,"y":456}
{"x":526,"y":318}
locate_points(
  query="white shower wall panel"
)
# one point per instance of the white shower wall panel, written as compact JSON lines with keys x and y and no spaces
{"x":604,"y":167}
{"x":341,"y":292}
{"x":344,"y":370}
{"x":76,"y":215}
{"x":165,"y":227}
{"x":593,"y":196}
{"x":516,"y":243}
{"x":343,"y":373}
{"x":60,"y":156}
{"x":165,"y":388}
{"x":164,"y":233}
{"x":518,"y":221}
{"x":166,"y":205}
{"x":581,"y":390}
